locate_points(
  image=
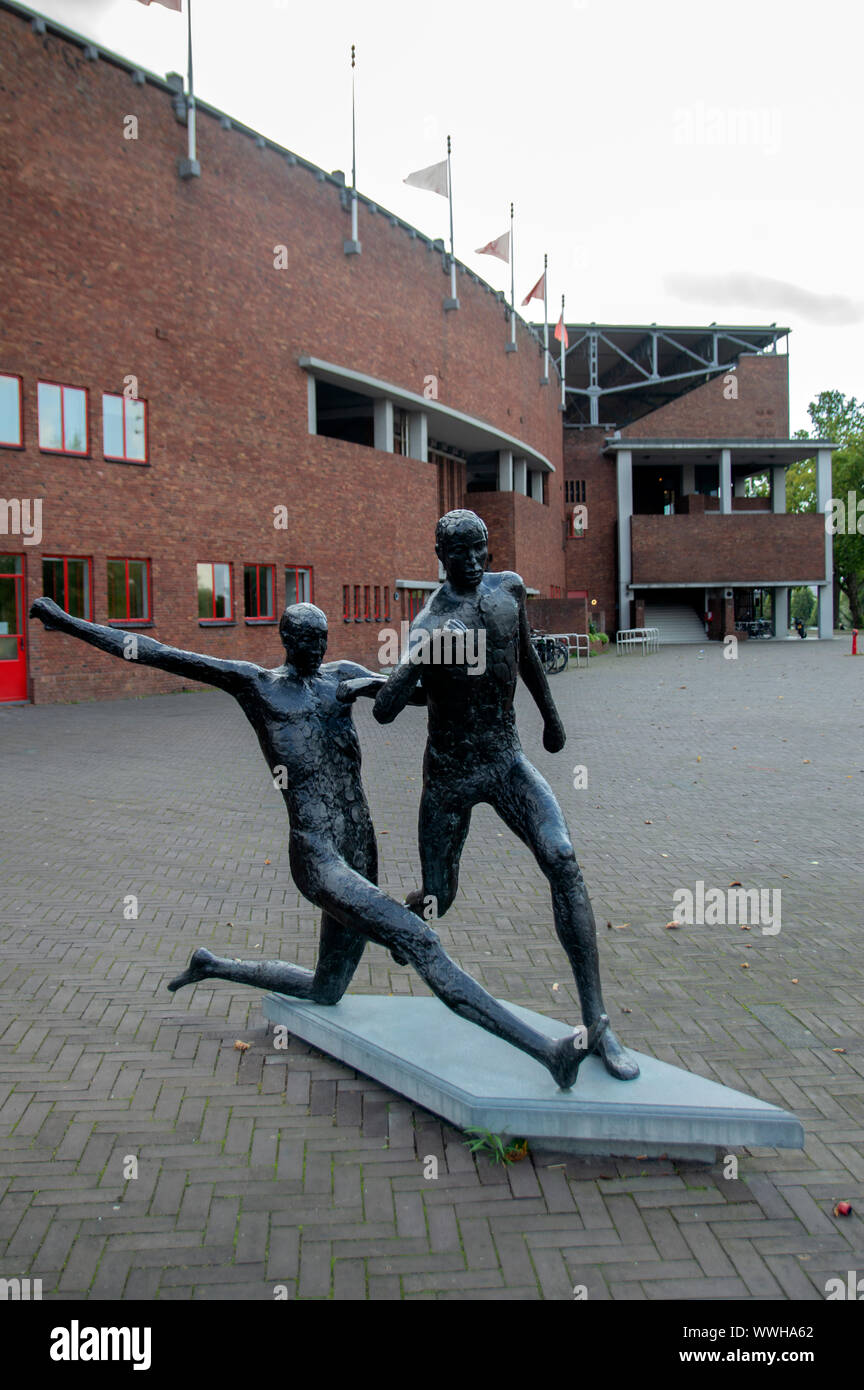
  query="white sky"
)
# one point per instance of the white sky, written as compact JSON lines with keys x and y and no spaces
{"x":680,"y":162}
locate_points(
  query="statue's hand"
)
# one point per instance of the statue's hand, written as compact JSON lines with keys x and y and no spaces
{"x":45,"y":609}
{"x":347,"y":691}
{"x":554,"y":736}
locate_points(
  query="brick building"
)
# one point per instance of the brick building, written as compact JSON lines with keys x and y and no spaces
{"x":213,"y":401}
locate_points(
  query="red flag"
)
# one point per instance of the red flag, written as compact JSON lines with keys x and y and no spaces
{"x":500,"y":247}
{"x":561,"y":331}
{"x":169,"y":4}
{"x":538,"y":292}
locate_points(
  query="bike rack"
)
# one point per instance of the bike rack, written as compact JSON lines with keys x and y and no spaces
{"x":647,"y":639}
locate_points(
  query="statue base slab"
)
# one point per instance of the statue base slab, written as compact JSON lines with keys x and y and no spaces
{"x":422,"y":1050}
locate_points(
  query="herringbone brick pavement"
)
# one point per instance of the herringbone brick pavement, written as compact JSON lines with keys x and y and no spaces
{"x":280,"y":1173}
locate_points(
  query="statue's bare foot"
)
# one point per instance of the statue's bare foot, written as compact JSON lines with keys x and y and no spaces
{"x":616,"y":1059}
{"x":570,"y":1052}
{"x":197,"y":969}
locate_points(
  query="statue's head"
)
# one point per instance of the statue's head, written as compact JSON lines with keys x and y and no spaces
{"x":303,"y":629}
{"x":461,"y":542}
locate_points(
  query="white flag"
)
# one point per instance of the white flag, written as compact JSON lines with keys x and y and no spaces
{"x":169,"y":4}
{"x":434,"y":179}
{"x":500,"y":247}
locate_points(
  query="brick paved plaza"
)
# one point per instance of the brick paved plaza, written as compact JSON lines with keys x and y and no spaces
{"x":265,"y":1168}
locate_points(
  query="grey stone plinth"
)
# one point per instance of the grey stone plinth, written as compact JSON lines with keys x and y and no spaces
{"x":422,"y":1050}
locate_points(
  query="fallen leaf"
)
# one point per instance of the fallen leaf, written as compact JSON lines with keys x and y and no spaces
{"x":699,"y":757}
{"x":649,"y":822}
{"x":736,"y":883}
{"x":805,"y":760}
{"x":266,"y":861}
{"x":629,"y":1011}
{"x":619,"y":926}
{"x":839,"y":1049}
{"x":794,"y":982}
{"x":663,"y":855}
{"x":672,"y":926}
{"x":743,"y":926}
{"x":556,"y":986}
{"x":745,"y":965}
{"x":842,"y":1208}
{"x":241,"y":1046}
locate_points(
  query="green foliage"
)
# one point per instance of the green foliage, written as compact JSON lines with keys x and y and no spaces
{"x":803,"y":606}
{"x":494,"y":1146}
{"x":841,"y":420}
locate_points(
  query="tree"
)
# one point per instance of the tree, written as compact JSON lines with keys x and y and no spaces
{"x":803,"y":606}
{"x":840,"y":420}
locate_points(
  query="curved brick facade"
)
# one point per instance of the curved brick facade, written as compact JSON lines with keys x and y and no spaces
{"x":116,"y":267}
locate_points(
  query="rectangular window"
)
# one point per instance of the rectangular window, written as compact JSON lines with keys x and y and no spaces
{"x":574,"y":490}
{"x":124,"y":429}
{"x":11,"y":430}
{"x":358,"y":616}
{"x":414,"y":599}
{"x":129,"y":591}
{"x":386,"y":603}
{"x":67,"y":581}
{"x":367,"y":611}
{"x":298,"y":585}
{"x":400,"y":431}
{"x":259,"y":587}
{"x":377,"y":610}
{"x":62,"y":418}
{"x":346,"y":603}
{"x":215,"y":602}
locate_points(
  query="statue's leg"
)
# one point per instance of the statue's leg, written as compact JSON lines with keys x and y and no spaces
{"x":363,"y":908}
{"x":443,"y":825}
{"x":527,"y":804}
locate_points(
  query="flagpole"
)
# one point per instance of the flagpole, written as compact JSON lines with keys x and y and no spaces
{"x":353,"y":155}
{"x":563,"y":393}
{"x":545,"y":321}
{"x":452,"y":252}
{"x":512,"y":283}
{"x":190,"y":109}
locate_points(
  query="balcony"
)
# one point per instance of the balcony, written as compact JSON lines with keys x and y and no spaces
{"x":742,"y":547}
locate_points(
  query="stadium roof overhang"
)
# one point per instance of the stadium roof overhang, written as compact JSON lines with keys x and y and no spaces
{"x":616,"y":373}
{"x":453,"y":427}
{"x":760,"y":453}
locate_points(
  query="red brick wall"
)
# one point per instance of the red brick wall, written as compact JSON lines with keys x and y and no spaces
{"x":591,"y":560}
{"x":761,"y":409}
{"x":718,"y":549}
{"x":116,"y":267}
{"x":524,"y":535}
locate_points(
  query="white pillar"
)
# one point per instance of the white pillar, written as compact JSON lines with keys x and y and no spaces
{"x":536,"y":478}
{"x":725,"y":481}
{"x":312,"y":404}
{"x":418,"y":436}
{"x":826,"y":588}
{"x":781,"y":610}
{"x":624,"y":465}
{"x":778,"y":489}
{"x":520,"y":476}
{"x":505,"y":470}
{"x":383,"y":420}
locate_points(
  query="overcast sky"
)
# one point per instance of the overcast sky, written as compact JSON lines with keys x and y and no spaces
{"x":680,"y":162}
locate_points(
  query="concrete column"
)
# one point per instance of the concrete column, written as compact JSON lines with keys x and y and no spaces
{"x":418,"y":436}
{"x":688,"y":479}
{"x":624,"y":467}
{"x":536,"y":484}
{"x":505,"y":470}
{"x":725,"y":481}
{"x":778,"y":489}
{"x":383,"y":421}
{"x":312,"y":404}
{"x":520,"y":476}
{"x":826,"y":589}
{"x":781,"y":610}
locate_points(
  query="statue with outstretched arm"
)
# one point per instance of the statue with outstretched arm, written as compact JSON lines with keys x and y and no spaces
{"x":473,"y":753}
{"x":301,"y":713}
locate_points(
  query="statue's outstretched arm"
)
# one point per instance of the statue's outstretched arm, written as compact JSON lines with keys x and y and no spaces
{"x":356,"y":680}
{"x":401,"y":688}
{"x":135,"y":646}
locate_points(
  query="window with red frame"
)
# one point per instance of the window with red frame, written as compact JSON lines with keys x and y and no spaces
{"x":11,"y":428}
{"x":358,"y":616}
{"x":67,"y":579}
{"x":386,"y":603}
{"x":124,"y":429}
{"x":129,"y":591}
{"x":259,"y":588}
{"x":367,"y":608}
{"x":414,"y":600}
{"x":215,"y":599}
{"x":377,"y":603}
{"x":346,"y":603}
{"x":62,"y":418}
{"x":298,"y":585}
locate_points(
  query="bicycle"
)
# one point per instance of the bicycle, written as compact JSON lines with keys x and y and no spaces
{"x":553,"y":653}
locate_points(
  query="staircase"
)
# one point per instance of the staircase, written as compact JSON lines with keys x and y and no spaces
{"x":677,"y":622}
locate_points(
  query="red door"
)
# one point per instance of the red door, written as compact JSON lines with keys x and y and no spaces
{"x":13,"y":657}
